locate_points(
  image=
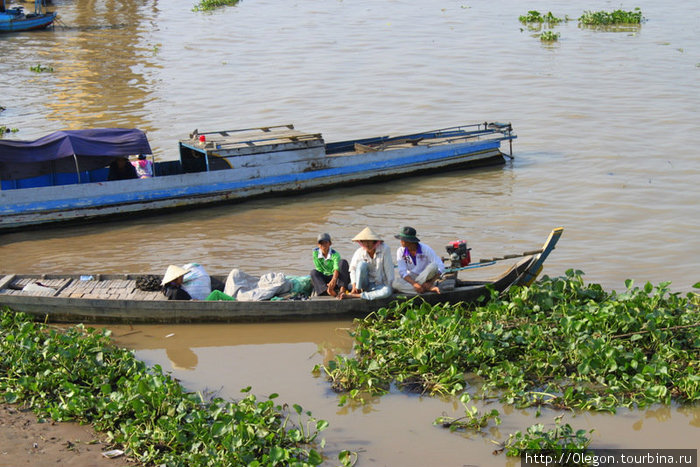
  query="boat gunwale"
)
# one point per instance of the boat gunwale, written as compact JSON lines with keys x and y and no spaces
{"x":102,"y":310}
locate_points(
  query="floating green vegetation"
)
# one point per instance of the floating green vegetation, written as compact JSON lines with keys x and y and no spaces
{"x":4,"y":129}
{"x":536,"y":21}
{"x":473,"y":419}
{"x":604,"y":18}
{"x":559,"y":343}
{"x":553,"y":441}
{"x":41,"y":69}
{"x":549,"y":36}
{"x":208,"y":5}
{"x":77,"y":374}
{"x":534,"y":16}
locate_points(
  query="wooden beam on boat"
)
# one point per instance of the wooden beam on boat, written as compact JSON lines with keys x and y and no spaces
{"x":363,"y":148}
{"x":7,"y":280}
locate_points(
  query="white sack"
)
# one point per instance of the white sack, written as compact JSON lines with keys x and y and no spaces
{"x":196,"y":282}
{"x":246,"y":288}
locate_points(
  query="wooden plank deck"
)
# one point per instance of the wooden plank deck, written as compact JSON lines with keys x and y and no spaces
{"x":263,"y":139}
{"x":10,"y":285}
{"x":114,"y":289}
{"x":7,"y":280}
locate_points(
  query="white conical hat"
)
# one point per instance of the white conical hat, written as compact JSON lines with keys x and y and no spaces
{"x":172,"y":273}
{"x":366,"y":234}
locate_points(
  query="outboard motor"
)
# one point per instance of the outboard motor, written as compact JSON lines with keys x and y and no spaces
{"x":460,"y":255}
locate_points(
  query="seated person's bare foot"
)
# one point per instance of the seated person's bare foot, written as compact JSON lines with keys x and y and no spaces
{"x":351,"y":294}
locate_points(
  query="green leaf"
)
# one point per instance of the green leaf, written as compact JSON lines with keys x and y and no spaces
{"x":314,"y":457}
{"x":321,"y":425}
{"x":278,"y":454}
{"x":583,"y":368}
{"x":218,"y":428}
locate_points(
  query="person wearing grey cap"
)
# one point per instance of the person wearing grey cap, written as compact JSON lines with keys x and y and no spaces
{"x":330,"y":275}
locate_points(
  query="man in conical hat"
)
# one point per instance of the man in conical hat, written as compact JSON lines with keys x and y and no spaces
{"x":172,"y":283}
{"x":371,"y":267}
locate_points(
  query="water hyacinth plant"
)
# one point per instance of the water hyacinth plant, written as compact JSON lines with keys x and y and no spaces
{"x":473,"y":419}
{"x":535,"y":21}
{"x":559,"y":343}
{"x":605,"y":18}
{"x":549,"y":36}
{"x":553,"y":441}
{"x":39,"y":68}
{"x":78,"y":374}
{"x":4,"y":129}
{"x":534,"y":16}
{"x":208,"y":5}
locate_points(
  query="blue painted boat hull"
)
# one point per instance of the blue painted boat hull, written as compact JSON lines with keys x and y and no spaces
{"x":244,"y":168}
{"x":15,"y":23}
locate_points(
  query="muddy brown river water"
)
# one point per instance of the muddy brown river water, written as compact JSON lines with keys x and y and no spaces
{"x":608,"y":146}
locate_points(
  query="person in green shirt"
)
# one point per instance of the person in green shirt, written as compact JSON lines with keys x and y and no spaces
{"x":331,"y":274}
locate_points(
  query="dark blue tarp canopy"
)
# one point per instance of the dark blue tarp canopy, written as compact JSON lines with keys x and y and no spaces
{"x":93,"y":149}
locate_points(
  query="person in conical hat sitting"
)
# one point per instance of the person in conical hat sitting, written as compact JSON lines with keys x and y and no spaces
{"x":172,"y":283}
{"x":419,"y":265}
{"x":371,"y":268}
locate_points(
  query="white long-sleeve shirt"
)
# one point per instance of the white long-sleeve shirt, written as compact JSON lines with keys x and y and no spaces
{"x":424,"y":256}
{"x":381,"y":267}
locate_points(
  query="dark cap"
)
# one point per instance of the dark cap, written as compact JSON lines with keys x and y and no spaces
{"x":324,"y":237}
{"x":408,"y":234}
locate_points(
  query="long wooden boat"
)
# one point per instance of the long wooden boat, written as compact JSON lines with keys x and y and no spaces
{"x":115,"y":298}
{"x":16,"y":20}
{"x":63,"y":177}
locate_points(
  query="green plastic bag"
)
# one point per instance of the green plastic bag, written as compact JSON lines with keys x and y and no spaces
{"x":301,"y":285}
{"x":219,"y":295}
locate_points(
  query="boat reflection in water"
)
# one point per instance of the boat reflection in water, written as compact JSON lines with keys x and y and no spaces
{"x":182,"y":342}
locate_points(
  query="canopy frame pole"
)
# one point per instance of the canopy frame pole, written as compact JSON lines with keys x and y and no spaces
{"x":510,"y":142}
{"x":77,"y":167}
{"x":510,"y":139}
